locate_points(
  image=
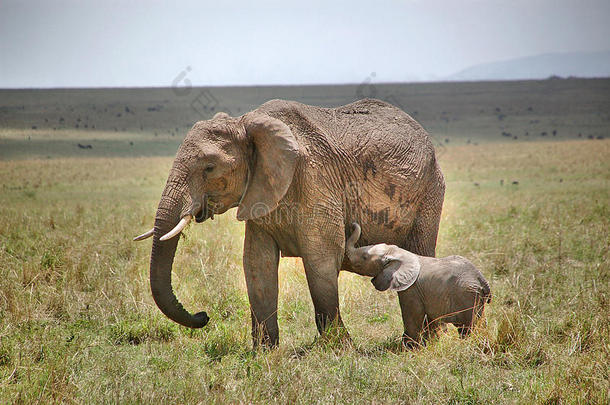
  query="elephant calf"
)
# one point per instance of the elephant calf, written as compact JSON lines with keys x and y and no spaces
{"x":438,"y":291}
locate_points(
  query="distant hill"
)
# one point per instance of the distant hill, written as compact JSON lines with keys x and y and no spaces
{"x":577,"y":64}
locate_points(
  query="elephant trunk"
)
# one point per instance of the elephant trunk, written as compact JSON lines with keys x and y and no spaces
{"x":350,"y":245}
{"x":162,"y":257}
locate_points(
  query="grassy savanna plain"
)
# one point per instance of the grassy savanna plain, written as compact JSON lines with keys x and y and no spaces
{"x":78,"y":323}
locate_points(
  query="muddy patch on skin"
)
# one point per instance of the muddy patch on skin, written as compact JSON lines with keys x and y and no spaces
{"x":369,"y":165}
{"x":390,"y":190}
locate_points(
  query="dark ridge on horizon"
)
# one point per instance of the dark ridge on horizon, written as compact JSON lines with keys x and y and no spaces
{"x":317,"y":85}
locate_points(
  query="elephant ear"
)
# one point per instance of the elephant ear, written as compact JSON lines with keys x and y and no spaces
{"x":399,"y":273}
{"x":275,"y":157}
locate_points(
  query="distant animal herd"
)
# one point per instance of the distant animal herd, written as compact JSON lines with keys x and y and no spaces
{"x":85,"y":124}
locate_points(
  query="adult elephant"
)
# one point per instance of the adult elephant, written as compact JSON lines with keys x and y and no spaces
{"x":299,"y":176}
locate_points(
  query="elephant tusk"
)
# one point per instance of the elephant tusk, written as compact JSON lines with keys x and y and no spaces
{"x":145,"y":235}
{"x":183,"y":222}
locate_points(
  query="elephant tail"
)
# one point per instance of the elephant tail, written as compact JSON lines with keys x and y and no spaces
{"x":485,"y":289}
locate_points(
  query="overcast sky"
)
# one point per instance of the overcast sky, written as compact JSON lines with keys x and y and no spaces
{"x":149,"y":43}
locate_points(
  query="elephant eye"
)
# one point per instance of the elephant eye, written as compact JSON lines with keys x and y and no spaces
{"x":209,"y":168}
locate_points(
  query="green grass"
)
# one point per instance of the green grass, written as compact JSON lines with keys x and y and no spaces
{"x":78,"y":323}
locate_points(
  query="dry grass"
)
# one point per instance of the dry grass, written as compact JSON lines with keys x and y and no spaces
{"x":77,"y":322}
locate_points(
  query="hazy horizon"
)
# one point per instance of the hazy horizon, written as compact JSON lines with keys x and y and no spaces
{"x":86,"y":44}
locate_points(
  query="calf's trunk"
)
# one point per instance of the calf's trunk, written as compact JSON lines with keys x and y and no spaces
{"x":350,"y":244}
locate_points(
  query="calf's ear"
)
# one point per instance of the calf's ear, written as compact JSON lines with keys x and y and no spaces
{"x":398,"y":274}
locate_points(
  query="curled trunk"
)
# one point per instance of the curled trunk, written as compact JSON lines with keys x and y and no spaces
{"x":350,"y":244}
{"x":170,"y":210}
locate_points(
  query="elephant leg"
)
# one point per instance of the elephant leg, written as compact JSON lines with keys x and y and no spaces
{"x":422,"y":238}
{"x":469,"y":319}
{"x":479,"y":307}
{"x":431,"y":330}
{"x":413,"y":317}
{"x":421,"y":241}
{"x":261,"y":257}
{"x":322,"y":278}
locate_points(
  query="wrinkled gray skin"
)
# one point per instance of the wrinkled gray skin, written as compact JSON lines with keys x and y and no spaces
{"x":299,"y":174}
{"x":437,"y":291}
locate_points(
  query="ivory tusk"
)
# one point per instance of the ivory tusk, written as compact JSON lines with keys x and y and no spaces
{"x":145,"y":235}
{"x":183,"y":222}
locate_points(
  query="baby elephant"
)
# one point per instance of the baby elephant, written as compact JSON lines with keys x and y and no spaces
{"x":438,"y":291}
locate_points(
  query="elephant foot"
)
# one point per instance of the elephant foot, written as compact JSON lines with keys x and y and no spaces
{"x":335,"y":335}
{"x":264,"y":344}
{"x":338,"y":336}
{"x":263,"y":339}
{"x":411,"y":344}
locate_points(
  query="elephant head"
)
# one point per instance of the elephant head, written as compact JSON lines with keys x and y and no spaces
{"x":391,"y":267}
{"x":246,"y":162}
